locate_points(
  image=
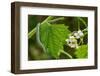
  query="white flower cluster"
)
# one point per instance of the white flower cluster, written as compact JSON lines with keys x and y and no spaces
{"x":78,"y":34}
{"x":72,"y":40}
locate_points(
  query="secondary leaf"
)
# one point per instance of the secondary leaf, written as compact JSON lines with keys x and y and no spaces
{"x":53,"y":37}
{"x":82,"y":51}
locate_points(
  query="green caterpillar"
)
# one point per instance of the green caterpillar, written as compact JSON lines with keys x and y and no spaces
{"x":38,"y":37}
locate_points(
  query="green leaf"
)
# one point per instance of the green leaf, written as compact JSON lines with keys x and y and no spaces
{"x":53,"y":37}
{"x":82,"y":51}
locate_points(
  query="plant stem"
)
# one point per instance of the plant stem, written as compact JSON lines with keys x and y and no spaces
{"x":81,"y":41}
{"x":67,"y":54}
{"x":82,"y":21}
{"x":47,"y":19}
{"x":85,"y":33}
{"x":57,"y":19}
{"x":33,"y":31}
{"x":84,"y":29}
{"x":78,"y":24}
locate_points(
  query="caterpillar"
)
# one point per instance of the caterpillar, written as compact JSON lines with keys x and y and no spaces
{"x":38,"y":36}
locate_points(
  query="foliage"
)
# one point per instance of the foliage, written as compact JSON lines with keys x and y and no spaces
{"x":52,"y":37}
{"x":81,"y":52}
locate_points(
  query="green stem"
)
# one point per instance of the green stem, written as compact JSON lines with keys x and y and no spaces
{"x":82,"y":21}
{"x":47,"y":19}
{"x":67,"y":54}
{"x":81,"y":41}
{"x":33,"y":31}
{"x":78,"y":24}
{"x":85,"y":33}
{"x":57,"y":19}
{"x":84,"y":29}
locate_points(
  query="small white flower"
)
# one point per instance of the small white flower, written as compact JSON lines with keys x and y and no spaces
{"x":72,"y":42}
{"x":78,"y":34}
{"x":72,"y":37}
